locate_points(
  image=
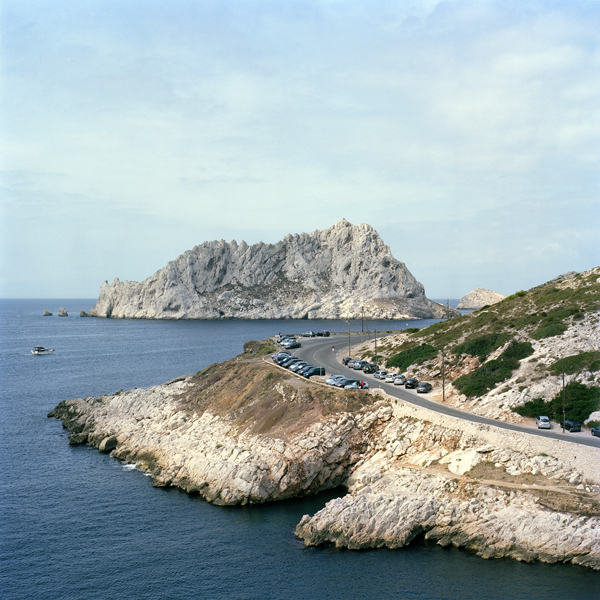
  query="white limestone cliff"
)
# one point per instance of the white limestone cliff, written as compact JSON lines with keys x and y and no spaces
{"x":342,"y":272}
{"x":478,"y":298}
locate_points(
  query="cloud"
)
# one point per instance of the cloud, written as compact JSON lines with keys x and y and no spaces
{"x":256,"y":119}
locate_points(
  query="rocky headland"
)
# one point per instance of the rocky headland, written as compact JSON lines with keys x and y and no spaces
{"x":345,"y":271}
{"x":478,"y":298}
{"x":247,"y":431}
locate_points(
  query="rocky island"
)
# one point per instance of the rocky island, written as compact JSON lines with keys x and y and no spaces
{"x":478,"y":298}
{"x":345,"y":271}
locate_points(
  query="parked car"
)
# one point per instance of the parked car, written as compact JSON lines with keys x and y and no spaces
{"x":288,"y":362}
{"x":370,"y":368}
{"x":281,"y":354}
{"x":543,"y":423}
{"x":357,"y":385}
{"x":359,"y":365}
{"x":333,"y":378}
{"x":346,"y":360}
{"x":284,"y":359}
{"x":572,"y":426}
{"x":411,"y":383}
{"x":305,"y":368}
{"x":596,"y":431}
{"x":292,"y":344}
{"x":319,"y":371}
{"x":424,"y":387}
{"x":323,"y":333}
{"x":308,"y":334}
{"x":297,"y":366}
{"x":399,"y":380}
{"x":381,"y":374}
{"x":285,"y":338}
{"x":340,"y":383}
{"x":389,"y":378}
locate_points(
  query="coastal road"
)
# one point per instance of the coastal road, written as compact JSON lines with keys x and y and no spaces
{"x":319,"y":352}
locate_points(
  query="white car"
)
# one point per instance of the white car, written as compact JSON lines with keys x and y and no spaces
{"x":543,"y":423}
{"x":389,"y":378}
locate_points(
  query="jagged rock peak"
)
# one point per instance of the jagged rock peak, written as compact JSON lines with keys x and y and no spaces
{"x":479,"y":297}
{"x":340,"y":272}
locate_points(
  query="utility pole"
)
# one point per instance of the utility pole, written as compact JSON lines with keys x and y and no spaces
{"x":349,"y":338}
{"x":447,"y":308}
{"x":563,"y":423}
{"x":376,"y":361}
{"x":443,"y":378}
{"x":362,"y":323}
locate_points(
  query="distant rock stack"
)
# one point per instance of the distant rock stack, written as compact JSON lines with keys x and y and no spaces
{"x":478,"y":298}
{"x":83,"y":314}
{"x":344,"y":272}
{"x":62,"y":312}
{"x":47,"y":313}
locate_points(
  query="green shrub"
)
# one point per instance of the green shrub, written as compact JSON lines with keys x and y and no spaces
{"x":546,"y":330}
{"x":586,"y":361}
{"x":592,"y":424}
{"x":580,"y":402}
{"x":482,"y":346}
{"x":412,"y":330}
{"x":517,"y":350}
{"x":486,"y":377}
{"x":414,"y":355}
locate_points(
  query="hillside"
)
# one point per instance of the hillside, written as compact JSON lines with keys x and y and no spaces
{"x":514,"y":352}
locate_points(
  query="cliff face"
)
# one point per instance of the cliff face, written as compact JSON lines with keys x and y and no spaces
{"x":335,"y":273}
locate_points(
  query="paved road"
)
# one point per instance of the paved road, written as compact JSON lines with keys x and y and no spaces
{"x":318,"y":351}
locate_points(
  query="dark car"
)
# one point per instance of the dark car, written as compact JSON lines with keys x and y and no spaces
{"x":424,"y":387}
{"x":572,"y":426}
{"x":596,"y":431}
{"x":323,"y":333}
{"x":346,"y":360}
{"x":370,"y":368}
{"x":314,"y":371}
{"x":411,"y":383}
{"x":288,"y":362}
{"x":281,"y":354}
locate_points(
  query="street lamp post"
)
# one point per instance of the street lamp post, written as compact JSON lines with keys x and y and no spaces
{"x":376,"y":361}
{"x":563,"y":423}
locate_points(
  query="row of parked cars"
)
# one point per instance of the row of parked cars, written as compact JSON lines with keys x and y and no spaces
{"x":315,"y":334}
{"x":395,"y":378}
{"x":341,"y":381}
{"x":285,"y":359}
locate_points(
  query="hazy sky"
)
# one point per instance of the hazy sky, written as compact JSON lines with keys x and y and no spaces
{"x":466,"y":132}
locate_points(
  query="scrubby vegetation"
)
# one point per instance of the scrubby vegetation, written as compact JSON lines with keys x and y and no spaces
{"x":415,"y":355}
{"x":482,"y":346}
{"x":586,"y":361}
{"x":490,"y":374}
{"x":580,"y":402}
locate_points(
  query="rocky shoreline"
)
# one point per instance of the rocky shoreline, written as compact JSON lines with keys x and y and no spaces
{"x":247,"y":432}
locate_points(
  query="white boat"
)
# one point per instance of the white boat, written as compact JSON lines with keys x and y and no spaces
{"x":42,"y":350}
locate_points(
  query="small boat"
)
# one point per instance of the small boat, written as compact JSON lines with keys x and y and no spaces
{"x":42,"y":350}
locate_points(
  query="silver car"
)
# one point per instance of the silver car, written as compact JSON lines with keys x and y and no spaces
{"x":543,"y":423}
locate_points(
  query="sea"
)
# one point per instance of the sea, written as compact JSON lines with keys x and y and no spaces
{"x":78,"y":524}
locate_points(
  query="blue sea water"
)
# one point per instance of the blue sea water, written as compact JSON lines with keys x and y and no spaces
{"x":75,"y":523}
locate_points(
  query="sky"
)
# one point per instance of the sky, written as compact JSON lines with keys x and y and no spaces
{"x":467,"y":133}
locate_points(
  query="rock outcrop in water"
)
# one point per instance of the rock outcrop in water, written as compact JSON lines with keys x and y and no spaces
{"x":246,"y":431}
{"x":478,"y":298}
{"x":345,"y":271}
